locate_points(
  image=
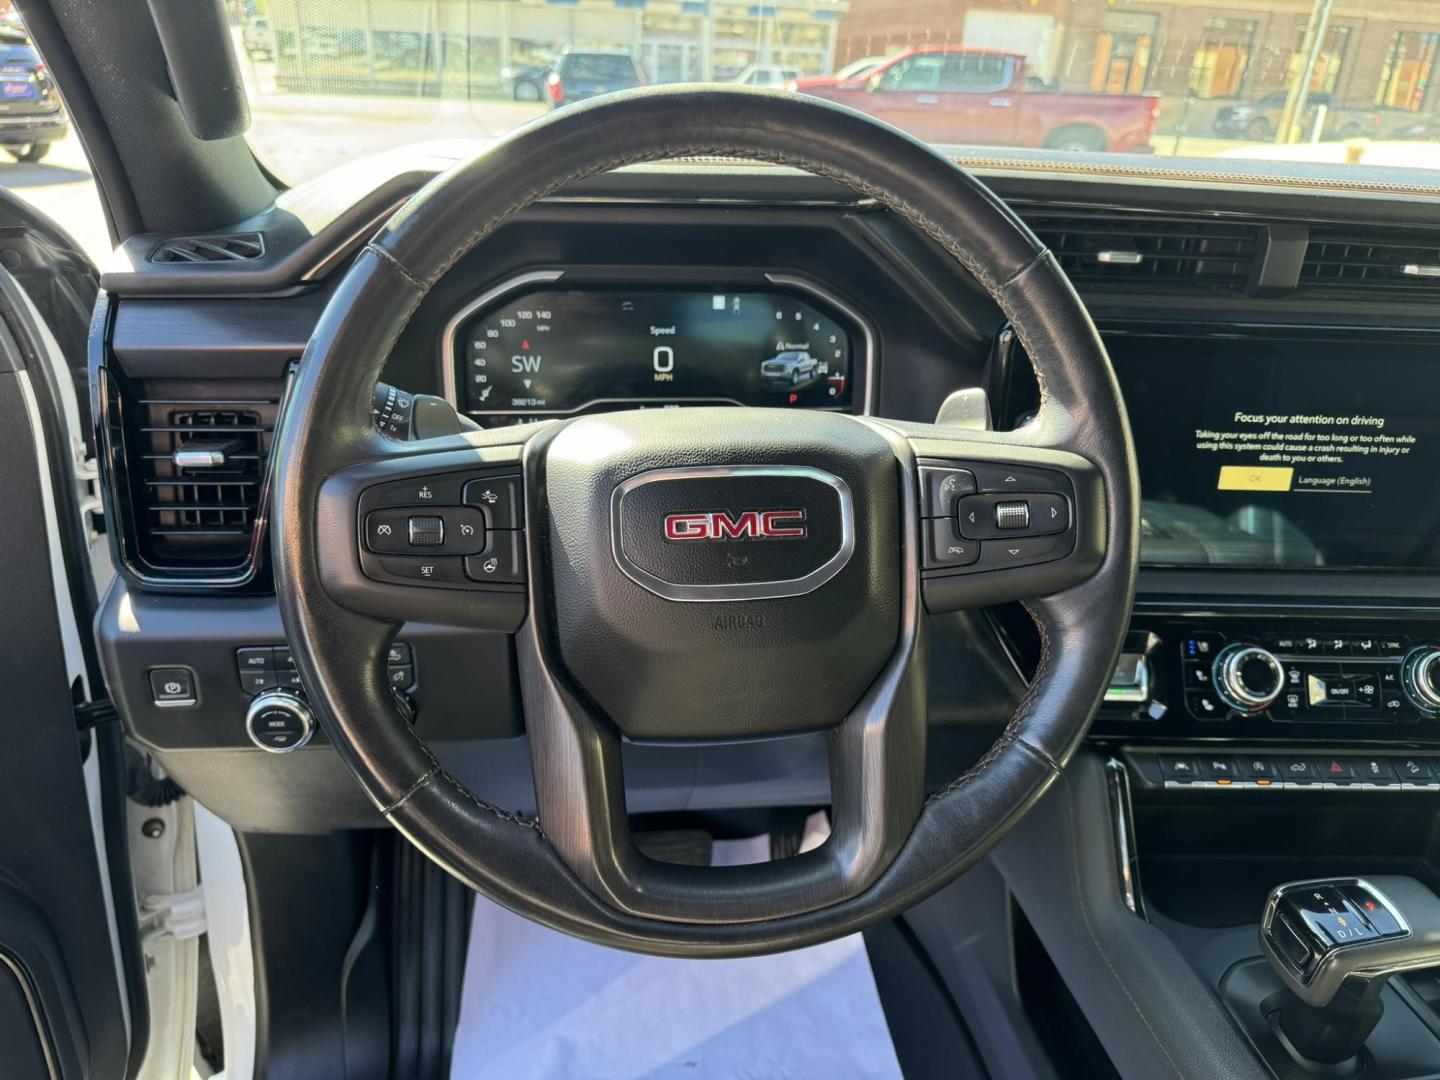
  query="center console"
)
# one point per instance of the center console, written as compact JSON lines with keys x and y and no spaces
{"x":1223,"y":677}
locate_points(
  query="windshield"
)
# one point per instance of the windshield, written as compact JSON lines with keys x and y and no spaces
{"x":1333,"y":84}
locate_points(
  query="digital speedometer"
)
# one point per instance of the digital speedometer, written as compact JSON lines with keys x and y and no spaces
{"x":571,"y":350}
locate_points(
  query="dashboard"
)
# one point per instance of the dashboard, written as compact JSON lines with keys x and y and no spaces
{"x":559,"y":343}
{"x":1288,"y":445}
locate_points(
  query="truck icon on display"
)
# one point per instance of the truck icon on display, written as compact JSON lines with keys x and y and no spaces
{"x":790,"y":370}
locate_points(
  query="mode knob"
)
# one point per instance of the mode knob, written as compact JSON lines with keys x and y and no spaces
{"x":279,"y":723}
{"x":1247,"y":677}
{"x":1420,"y":678}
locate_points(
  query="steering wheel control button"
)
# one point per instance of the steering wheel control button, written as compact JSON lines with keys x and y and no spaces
{"x":279,"y":723}
{"x":993,"y":476}
{"x":502,"y":562}
{"x":1012,"y":515}
{"x":420,"y":491}
{"x":425,"y":530}
{"x":1022,"y":551}
{"x":988,"y":517}
{"x":440,"y":571}
{"x":399,"y":654}
{"x":498,"y":497}
{"x":457,"y":530}
{"x":172,"y":687}
{"x":944,"y":548}
{"x":941,"y":489}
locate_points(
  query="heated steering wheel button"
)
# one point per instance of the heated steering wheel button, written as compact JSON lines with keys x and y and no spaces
{"x":502,"y":562}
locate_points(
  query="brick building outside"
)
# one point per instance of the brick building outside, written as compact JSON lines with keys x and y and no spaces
{"x":1379,"y":58}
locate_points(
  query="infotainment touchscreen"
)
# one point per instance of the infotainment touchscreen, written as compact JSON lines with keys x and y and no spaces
{"x":1285,"y":452}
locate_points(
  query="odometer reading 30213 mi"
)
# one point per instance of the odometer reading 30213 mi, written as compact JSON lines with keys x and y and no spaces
{"x":565,"y":351}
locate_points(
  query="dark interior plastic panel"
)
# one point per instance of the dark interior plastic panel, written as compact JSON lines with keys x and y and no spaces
{"x":1150,"y":1010}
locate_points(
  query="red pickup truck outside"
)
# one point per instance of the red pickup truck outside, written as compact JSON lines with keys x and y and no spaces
{"x":951,"y":94}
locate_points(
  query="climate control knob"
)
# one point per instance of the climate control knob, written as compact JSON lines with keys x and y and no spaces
{"x":1247,"y":677}
{"x":1420,"y":678}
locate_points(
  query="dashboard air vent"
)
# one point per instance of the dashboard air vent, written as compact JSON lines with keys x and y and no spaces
{"x":236,"y":247}
{"x":191,"y":476}
{"x":1145,"y":253}
{"x":1346,"y":259}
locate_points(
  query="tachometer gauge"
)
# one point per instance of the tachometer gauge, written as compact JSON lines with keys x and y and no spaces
{"x":567,"y":351}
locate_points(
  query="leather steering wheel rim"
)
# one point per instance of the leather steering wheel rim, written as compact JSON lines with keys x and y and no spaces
{"x":537,"y":867}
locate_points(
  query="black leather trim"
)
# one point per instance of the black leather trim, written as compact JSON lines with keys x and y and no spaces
{"x":328,"y":428}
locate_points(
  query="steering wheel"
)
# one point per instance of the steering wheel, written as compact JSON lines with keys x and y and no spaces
{"x":705,"y":573}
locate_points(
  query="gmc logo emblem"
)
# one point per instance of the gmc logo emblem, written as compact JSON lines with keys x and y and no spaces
{"x":747,"y":525}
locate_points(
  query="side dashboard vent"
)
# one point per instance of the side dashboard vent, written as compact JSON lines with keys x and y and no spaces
{"x":235,"y":247}
{"x":190,"y":477}
{"x":1342,"y":259}
{"x":1145,"y":253}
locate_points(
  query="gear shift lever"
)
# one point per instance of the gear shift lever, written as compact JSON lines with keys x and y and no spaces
{"x":1334,"y":943}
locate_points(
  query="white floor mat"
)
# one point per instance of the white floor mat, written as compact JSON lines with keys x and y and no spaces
{"x":538,"y":1005}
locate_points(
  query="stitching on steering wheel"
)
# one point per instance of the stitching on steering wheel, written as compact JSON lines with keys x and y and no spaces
{"x":1012,"y":728}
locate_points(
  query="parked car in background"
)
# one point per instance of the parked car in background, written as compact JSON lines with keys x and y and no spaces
{"x":258,"y":39}
{"x":578,"y":75}
{"x":524,"y":82}
{"x":766,"y":75}
{"x":31,"y":116}
{"x":1260,"y":119}
{"x":1423,"y":130}
{"x":953,"y":94}
{"x":856,"y":71}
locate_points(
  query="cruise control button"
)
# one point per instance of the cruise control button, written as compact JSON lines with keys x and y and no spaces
{"x":423,"y":570}
{"x":420,"y":491}
{"x":944,"y":549}
{"x":455,"y":530}
{"x":172,"y":686}
{"x":399,"y":654}
{"x":503,"y":562}
{"x":498,"y":497}
{"x":401,"y":678}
